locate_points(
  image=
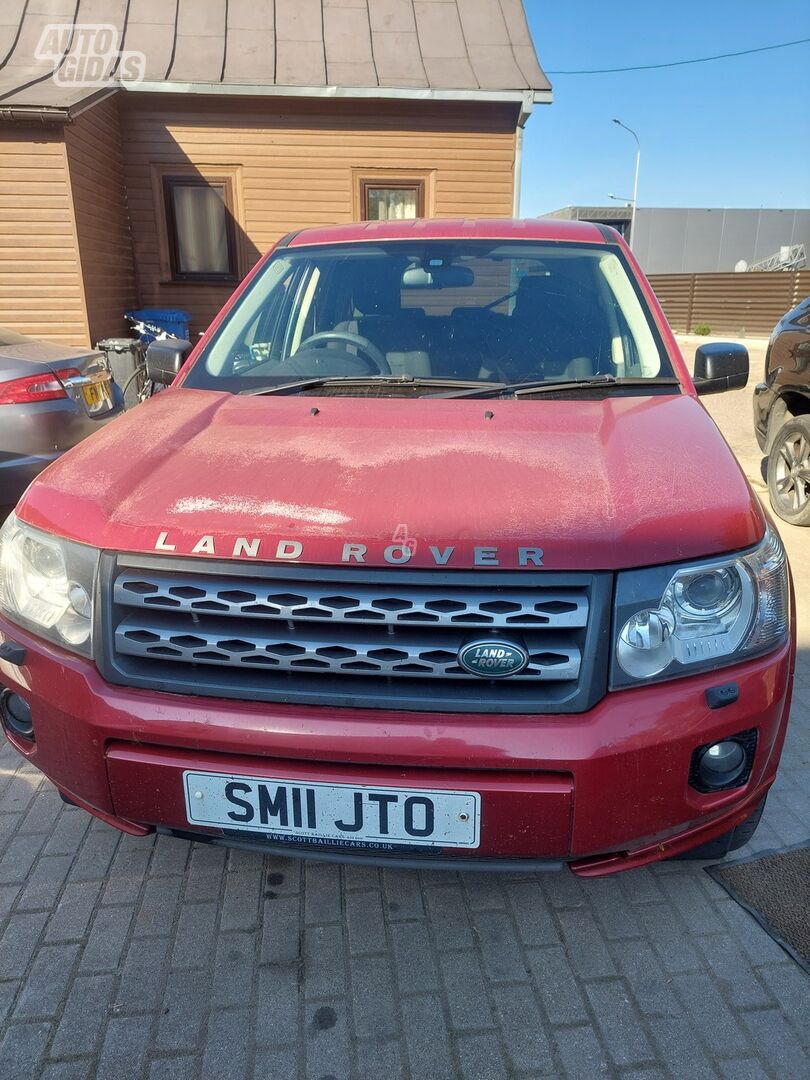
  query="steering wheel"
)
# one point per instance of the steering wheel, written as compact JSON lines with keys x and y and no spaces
{"x":363,"y":345}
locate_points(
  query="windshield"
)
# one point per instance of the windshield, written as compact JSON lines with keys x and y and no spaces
{"x":435,"y":311}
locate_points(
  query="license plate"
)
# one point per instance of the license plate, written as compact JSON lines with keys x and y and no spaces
{"x":349,"y":815}
{"x":96,"y":395}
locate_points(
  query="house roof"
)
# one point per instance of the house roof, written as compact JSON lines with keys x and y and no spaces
{"x":474,"y":49}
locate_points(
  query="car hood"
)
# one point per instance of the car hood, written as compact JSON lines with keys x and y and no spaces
{"x":596,"y":484}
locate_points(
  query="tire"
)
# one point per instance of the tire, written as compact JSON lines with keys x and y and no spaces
{"x":735,"y":838}
{"x":789,"y":471}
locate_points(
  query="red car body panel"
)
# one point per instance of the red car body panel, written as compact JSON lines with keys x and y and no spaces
{"x":575,"y":478}
{"x":597,"y":484}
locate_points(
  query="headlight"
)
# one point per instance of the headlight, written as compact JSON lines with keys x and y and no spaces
{"x":46,"y":585}
{"x":672,"y":620}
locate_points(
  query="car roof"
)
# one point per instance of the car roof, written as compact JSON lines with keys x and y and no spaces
{"x":506,"y":229}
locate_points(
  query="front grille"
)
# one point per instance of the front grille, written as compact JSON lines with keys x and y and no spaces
{"x":360,"y":637}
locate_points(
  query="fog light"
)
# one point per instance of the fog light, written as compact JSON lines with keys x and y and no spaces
{"x":723,"y":764}
{"x":16,"y":715}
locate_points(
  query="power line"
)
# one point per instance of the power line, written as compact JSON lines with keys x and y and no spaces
{"x":680,"y":63}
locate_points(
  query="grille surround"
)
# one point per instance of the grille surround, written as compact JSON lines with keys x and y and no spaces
{"x":388,"y":656}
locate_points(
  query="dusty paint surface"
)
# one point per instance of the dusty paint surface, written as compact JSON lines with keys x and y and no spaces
{"x":627,"y":481}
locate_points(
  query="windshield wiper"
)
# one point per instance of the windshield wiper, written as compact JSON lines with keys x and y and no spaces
{"x":302,"y":385}
{"x":469,"y":388}
{"x":547,"y":386}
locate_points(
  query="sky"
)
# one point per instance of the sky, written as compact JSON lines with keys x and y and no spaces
{"x":732,"y":133}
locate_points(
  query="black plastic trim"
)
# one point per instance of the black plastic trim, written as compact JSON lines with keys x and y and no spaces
{"x":337,"y":855}
{"x":285,"y":241}
{"x":13,"y":653}
{"x":717,"y":697}
{"x":609,"y":234}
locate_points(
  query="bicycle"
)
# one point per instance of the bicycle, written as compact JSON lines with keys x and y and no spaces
{"x":146,"y":387}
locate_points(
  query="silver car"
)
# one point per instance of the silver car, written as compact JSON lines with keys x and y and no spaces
{"x":51,"y":397}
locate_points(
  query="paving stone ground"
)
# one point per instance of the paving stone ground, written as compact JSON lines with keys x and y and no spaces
{"x":154,"y":959}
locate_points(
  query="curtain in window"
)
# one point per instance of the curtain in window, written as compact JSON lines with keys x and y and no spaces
{"x":202,"y":239}
{"x":391,"y":204}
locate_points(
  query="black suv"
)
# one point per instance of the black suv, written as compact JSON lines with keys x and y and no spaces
{"x":782,"y":415}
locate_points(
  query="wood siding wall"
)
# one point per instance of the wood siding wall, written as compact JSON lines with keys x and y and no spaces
{"x":298,"y":163}
{"x":40,"y":282}
{"x":96,"y":167}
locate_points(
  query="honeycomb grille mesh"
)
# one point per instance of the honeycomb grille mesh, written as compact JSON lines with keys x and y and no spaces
{"x":261,"y":647}
{"x":374,"y":636}
{"x":502,"y":608}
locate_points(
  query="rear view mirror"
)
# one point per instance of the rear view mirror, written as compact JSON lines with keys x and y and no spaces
{"x":164,"y":358}
{"x":437,"y":277}
{"x":720,"y":366}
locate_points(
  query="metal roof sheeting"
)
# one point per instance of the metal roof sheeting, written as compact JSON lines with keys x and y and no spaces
{"x":469,"y":48}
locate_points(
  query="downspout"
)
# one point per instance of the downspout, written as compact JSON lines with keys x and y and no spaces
{"x":530,"y":99}
{"x":518,"y":170}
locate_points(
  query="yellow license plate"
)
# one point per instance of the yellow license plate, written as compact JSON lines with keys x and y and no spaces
{"x":94,"y":395}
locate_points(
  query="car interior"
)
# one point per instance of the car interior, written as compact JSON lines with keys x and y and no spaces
{"x":439,"y":315}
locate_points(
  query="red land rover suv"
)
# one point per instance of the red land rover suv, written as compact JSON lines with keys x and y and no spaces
{"x":430,"y":554}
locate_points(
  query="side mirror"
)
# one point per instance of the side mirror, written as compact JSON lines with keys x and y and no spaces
{"x":719,"y":366}
{"x":164,"y":358}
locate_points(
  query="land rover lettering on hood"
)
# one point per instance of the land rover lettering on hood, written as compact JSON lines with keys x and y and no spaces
{"x":430,"y":552}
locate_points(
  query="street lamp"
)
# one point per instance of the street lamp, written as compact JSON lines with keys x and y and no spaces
{"x":635,"y":181}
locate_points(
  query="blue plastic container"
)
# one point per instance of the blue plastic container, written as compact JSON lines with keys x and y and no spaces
{"x":171,"y":320}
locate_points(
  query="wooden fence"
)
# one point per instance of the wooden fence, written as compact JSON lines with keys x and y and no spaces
{"x":750,"y":303}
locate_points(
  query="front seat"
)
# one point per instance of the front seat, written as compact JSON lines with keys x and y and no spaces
{"x":380,"y":317}
{"x":553,"y":328}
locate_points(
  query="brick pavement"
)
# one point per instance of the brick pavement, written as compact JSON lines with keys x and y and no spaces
{"x":127,"y":958}
{"x":124,"y":958}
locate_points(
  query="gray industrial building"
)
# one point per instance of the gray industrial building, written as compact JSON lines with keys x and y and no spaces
{"x":670,"y":240}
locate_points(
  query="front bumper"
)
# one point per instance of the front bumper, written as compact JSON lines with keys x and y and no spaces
{"x":602,"y":790}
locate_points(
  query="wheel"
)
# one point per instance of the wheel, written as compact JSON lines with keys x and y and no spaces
{"x":789,"y":471}
{"x":735,"y":838}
